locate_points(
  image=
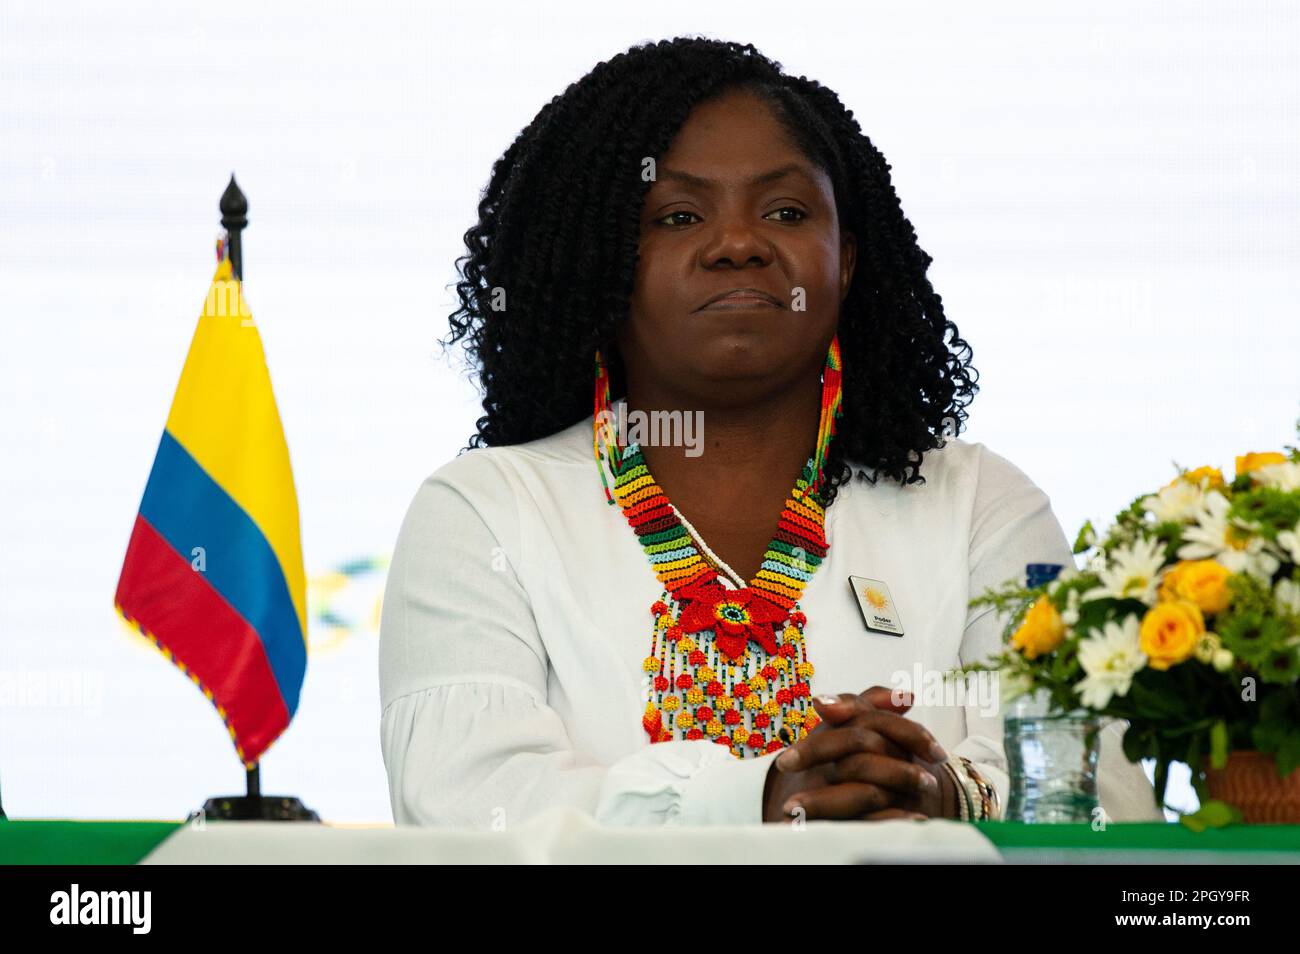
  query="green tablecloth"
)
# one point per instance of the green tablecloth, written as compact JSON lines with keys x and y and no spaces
{"x":1144,"y":837}
{"x":80,"y":843}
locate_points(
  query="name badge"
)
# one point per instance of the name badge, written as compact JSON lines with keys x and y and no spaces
{"x":877,"y":606}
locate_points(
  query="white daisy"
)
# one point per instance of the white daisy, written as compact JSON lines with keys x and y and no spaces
{"x":1066,"y":575}
{"x":1231,"y":541}
{"x":1130,"y":572}
{"x":1180,"y":501}
{"x":1110,"y":658}
{"x":1289,"y":541}
{"x":1283,"y":476}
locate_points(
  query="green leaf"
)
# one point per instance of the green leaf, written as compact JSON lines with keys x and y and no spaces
{"x":1212,"y":814}
{"x":1137,"y":744}
{"x":1219,"y":745}
{"x":1157,"y":703}
{"x":1268,"y":736}
{"x":1276,"y":705}
{"x":1288,"y":756}
{"x":1086,"y":538}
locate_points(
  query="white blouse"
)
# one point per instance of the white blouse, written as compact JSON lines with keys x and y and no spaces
{"x":517,"y":616}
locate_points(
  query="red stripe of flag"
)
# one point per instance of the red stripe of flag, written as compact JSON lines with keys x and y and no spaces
{"x":163,"y":594}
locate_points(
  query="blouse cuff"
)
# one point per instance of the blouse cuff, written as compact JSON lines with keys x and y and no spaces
{"x":726,"y":791}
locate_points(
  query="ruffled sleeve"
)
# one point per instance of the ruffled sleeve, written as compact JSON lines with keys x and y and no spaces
{"x":467,"y":735}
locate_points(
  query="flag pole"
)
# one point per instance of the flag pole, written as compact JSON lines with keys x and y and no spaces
{"x":253,"y":806}
{"x":234,"y":219}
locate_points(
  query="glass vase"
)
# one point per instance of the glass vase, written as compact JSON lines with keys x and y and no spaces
{"x":1052,"y":761}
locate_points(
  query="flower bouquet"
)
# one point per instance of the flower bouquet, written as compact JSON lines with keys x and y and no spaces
{"x":1184,"y":621}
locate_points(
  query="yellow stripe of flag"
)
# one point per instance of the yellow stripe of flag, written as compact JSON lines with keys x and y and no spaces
{"x":224,"y":415}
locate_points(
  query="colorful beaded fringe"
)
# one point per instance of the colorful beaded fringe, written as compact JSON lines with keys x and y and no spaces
{"x":832,"y":408}
{"x":726,"y":664}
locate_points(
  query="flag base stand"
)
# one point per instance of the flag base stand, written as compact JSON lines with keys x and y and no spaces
{"x":255,"y":806}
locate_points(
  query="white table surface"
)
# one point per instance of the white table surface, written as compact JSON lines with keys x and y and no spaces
{"x":566,"y":836}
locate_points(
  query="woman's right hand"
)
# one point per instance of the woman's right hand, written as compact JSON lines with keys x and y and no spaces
{"x":863,"y":761}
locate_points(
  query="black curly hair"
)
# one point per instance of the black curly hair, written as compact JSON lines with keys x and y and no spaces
{"x":568,"y":267}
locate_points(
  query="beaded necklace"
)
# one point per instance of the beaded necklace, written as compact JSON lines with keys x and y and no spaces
{"x":728,"y":664}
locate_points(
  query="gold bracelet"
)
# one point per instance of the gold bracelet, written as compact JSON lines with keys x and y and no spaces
{"x":989,"y":803}
{"x":971,"y":788}
{"x":963,"y":800}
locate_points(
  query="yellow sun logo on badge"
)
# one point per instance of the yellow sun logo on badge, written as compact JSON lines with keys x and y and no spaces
{"x":875,"y":597}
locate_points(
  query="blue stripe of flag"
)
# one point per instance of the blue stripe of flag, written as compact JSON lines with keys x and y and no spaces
{"x":189,"y":509}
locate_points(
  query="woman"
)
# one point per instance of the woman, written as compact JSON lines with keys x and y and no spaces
{"x":716,"y":246}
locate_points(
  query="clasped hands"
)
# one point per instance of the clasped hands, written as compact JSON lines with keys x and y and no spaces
{"x":864,"y":761}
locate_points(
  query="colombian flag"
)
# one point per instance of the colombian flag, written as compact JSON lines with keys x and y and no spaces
{"x":213,"y":573}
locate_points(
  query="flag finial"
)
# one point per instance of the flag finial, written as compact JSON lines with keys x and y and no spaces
{"x":234,"y":218}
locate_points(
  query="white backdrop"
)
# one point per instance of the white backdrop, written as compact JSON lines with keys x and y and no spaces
{"x":1110,"y":199}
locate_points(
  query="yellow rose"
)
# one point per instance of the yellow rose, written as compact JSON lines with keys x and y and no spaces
{"x":1042,"y":630}
{"x":1211,"y":474}
{"x":1170,"y":632}
{"x":1253,"y":461}
{"x":1203,"y":582}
